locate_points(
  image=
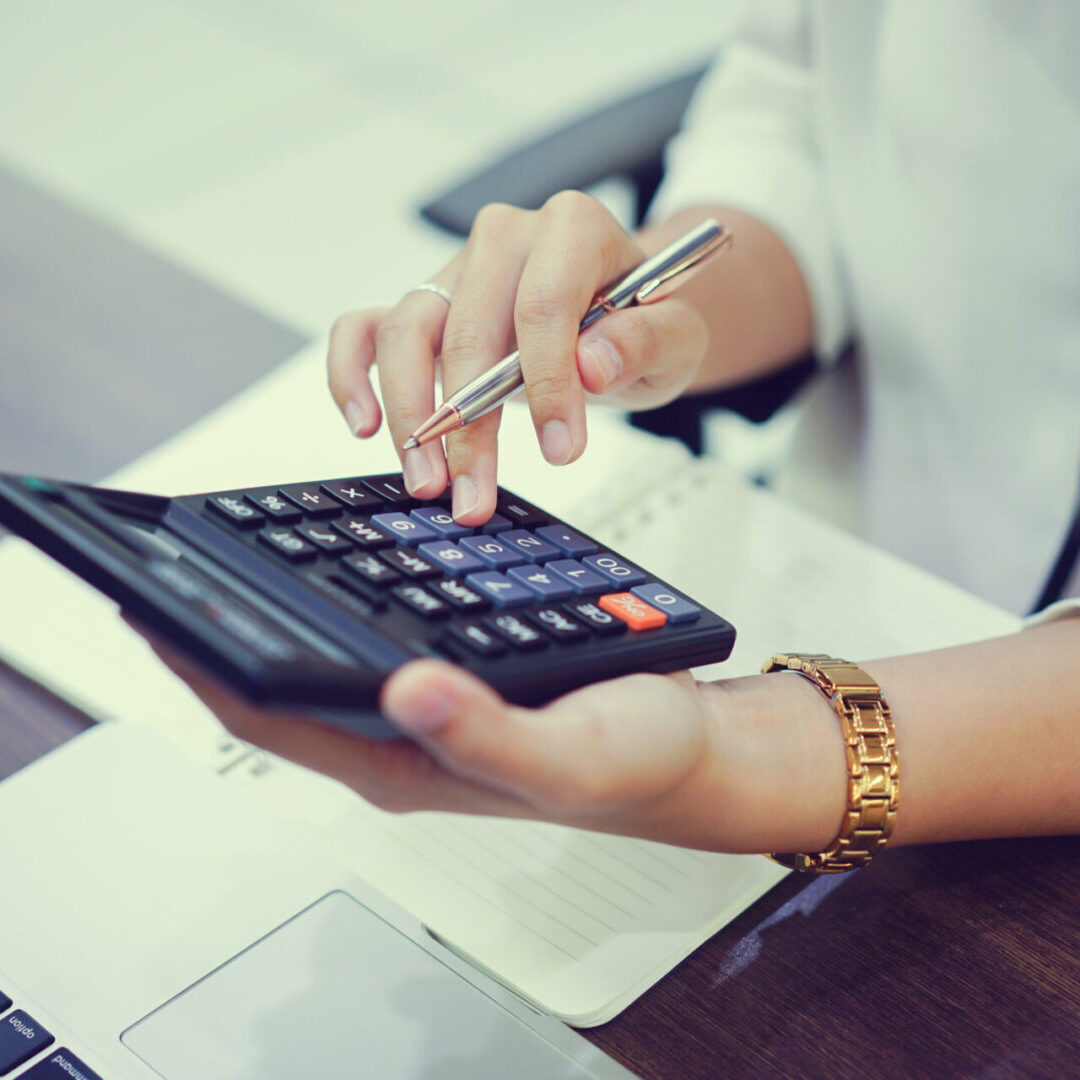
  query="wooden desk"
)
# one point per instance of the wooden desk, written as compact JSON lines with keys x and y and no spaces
{"x":958,"y":960}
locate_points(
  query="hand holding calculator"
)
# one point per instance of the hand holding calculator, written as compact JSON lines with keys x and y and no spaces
{"x":308,"y":595}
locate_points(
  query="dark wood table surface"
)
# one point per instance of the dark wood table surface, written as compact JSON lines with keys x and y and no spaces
{"x":959,"y":960}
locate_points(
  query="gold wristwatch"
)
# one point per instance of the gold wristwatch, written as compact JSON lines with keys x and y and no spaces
{"x":872,"y":761}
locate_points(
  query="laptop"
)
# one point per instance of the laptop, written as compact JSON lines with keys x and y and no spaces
{"x":155,"y":921}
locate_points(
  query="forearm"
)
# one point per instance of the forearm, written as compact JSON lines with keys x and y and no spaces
{"x":988,"y":736}
{"x":752,"y":297}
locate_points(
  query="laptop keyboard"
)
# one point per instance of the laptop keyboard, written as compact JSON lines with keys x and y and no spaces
{"x":22,"y":1038}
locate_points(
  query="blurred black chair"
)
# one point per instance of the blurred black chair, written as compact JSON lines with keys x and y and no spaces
{"x":625,"y":139}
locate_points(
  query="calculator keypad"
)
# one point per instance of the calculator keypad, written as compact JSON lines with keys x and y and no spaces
{"x":519,"y":584}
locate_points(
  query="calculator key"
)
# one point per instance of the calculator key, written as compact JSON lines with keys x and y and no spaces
{"x":286,"y":542}
{"x":324,"y":537}
{"x":311,"y":500}
{"x":582,"y":580}
{"x":460,"y":595}
{"x":440,"y":520}
{"x":528,"y":544}
{"x":558,"y":624}
{"x":500,"y":589}
{"x":541,"y":582}
{"x":21,"y":1037}
{"x":421,"y":601}
{"x":633,"y":611}
{"x":370,"y":569}
{"x":615,"y":570}
{"x":570,"y":543}
{"x":520,"y":513}
{"x":274,"y":506}
{"x":491,"y":552}
{"x":233,"y":508}
{"x":518,"y":632}
{"x":61,"y":1064}
{"x":599,"y":621}
{"x":496,"y":524}
{"x":409,"y":563}
{"x":362,"y":532}
{"x":478,"y":639}
{"x":677,"y":608}
{"x":353,"y":494}
{"x":405,"y":530}
{"x":390,"y":488}
{"x":454,"y":560}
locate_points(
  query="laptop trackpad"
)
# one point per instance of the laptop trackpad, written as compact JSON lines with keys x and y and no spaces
{"x":335,"y":991}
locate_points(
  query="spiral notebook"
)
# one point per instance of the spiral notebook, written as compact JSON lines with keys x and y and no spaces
{"x":579,"y":924}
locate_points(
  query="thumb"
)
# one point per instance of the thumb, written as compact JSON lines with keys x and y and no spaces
{"x":652,"y":350}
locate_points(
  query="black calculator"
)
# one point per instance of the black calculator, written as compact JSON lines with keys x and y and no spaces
{"x":307,"y":596}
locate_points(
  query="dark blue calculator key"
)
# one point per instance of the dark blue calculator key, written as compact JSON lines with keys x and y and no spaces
{"x":500,"y":589}
{"x":571,"y":544}
{"x":5,"y":1001}
{"x":61,"y":1064}
{"x":478,"y":639}
{"x":677,"y":608}
{"x":520,"y":513}
{"x":21,"y":1037}
{"x":324,"y":537}
{"x":409,"y":563}
{"x":404,"y":529}
{"x":496,"y":524}
{"x":582,"y":580}
{"x":285,"y":542}
{"x":517,"y":631}
{"x":439,"y":519}
{"x":371,"y":570}
{"x":351,"y":592}
{"x":421,"y":601}
{"x":454,"y":560}
{"x":491,"y":551}
{"x":362,"y":532}
{"x":390,"y":488}
{"x":615,"y":570}
{"x":353,"y":494}
{"x":274,"y":506}
{"x":235,"y":509}
{"x":595,"y":617}
{"x":529,"y":545}
{"x":460,"y":595}
{"x":558,"y":624}
{"x":540,"y":581}
{"x":310,"y":499}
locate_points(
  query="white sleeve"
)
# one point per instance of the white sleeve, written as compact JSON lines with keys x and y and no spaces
{"x":750,"y":141}
{"x":1063,"y":609}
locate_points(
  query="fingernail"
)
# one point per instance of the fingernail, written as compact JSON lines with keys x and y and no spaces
{"x":466,"y":495}
{"x":605,"y":359}
{"x":555,"y":442}
{"x":423,"y":712}
{"x":357,"y":416}
{"x":417,"y":469}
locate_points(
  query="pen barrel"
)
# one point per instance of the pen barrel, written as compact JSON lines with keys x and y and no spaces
{"x":501,"y":381}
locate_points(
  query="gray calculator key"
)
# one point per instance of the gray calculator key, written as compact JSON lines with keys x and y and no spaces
{"x":541,"y":581}
{"x":405,"y":529}
{"x":615,"y":570}
{"x":572,"y":544}
{"x":499,"y":588}
{"x":440,"y":520}
{"x":453,"y":558}
{"x":491,"y":551}
{"x":677,"y":608}
{"x":529,"y":545}
{"x":582,"y":580}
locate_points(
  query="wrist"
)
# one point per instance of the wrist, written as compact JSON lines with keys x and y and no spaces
{"x":782,"y":753}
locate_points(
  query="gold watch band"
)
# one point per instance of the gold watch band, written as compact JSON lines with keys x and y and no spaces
{"x":872,"y":761}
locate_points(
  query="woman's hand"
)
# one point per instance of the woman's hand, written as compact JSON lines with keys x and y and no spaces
{"x":524,"y":279}
{"x":745,"y":765}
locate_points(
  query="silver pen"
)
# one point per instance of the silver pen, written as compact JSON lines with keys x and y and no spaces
{"x":655,"y":278}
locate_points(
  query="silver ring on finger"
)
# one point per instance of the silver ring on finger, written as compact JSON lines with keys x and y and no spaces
{"x":440,"y":291}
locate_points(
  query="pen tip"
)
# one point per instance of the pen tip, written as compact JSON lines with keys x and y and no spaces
{"x":410,"y":443}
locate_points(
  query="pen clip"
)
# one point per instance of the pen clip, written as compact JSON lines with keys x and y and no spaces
{"x":664,"y":284}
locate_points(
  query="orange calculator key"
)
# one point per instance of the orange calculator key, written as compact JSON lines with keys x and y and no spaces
{"x":633,"y":611}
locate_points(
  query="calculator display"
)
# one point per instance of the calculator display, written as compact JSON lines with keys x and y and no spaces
{"x":307,"y":595}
